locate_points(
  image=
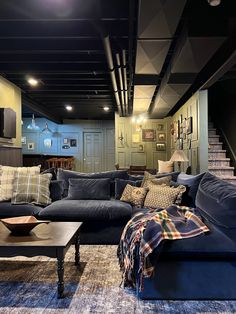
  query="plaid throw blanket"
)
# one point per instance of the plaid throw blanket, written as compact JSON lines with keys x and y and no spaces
{"x":145,"y":231}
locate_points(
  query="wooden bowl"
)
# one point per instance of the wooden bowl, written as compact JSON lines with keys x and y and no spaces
{"x":22,"y":225}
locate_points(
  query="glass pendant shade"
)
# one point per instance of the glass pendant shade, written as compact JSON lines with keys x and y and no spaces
{"x":33,"y":125}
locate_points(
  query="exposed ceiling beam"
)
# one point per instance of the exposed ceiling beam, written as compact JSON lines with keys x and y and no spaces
{"x":28,"y":102}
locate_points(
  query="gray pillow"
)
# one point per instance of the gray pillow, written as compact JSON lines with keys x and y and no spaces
{"x":89,"y":189}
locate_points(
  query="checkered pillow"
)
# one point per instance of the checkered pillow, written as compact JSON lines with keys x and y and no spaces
{"x":32,"y":189}
{"x":162,"y":196}
{"x":7,"y":175}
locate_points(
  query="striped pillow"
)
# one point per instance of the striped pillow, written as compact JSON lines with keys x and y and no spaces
{"x":32,"y":189}
{"x":7,"y":175}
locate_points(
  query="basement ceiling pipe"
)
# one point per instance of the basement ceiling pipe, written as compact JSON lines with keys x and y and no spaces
{"x":108,"y":53}
{"x":125,"y":79}
{"x":121,"y":83}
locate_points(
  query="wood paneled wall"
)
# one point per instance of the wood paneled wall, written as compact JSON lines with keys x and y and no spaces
{"x":71,"y":129}
{"x":130,"y":153}
{"x":11,"y":156}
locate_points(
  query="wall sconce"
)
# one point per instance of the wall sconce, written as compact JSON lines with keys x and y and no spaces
{"x":120,"y":137}
{"x":138,"y":121}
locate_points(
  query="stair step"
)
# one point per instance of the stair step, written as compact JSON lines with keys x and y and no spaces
{"x":216,"y":150}
{"x":214,"y":135}
{"x":216,"y":156}
{"x":230,"y":179}
{"x":213,"y":138}
{"x":215,"y":146}
{"x":219,"y":162}
{"x":211,"y":132}
{"x":222,"y":171}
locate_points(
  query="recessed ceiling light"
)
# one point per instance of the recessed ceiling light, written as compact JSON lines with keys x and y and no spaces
{"x":32,"y":81}
{"x":214,"y":3}
{"x":106,"y":108}
{"x":69,"y":107}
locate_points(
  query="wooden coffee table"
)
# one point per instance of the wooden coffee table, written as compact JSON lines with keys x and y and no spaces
{"x":52,"y":240}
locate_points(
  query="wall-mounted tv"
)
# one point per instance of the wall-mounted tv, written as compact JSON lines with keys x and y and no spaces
{"x":7,"y":123}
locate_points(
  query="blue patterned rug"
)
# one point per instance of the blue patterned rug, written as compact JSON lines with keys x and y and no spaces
{"x":29,"y":286}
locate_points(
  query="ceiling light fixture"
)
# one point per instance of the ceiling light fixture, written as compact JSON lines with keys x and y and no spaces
{"x":106,"y":108}
{"x":69,"y":107}
{"x":33,"y":125}
{"x":214,"y":3}
{"x":32,"y":81}
{"x":46,"y":130}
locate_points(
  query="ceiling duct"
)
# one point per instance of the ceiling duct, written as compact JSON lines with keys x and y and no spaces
{"x":122,"y":96}
{"x":108,"y":53}
{"x":125,"y":81}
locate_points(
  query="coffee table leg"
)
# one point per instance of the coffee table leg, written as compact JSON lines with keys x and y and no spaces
{"x":77,"y":245}
{"x":60,"y":272}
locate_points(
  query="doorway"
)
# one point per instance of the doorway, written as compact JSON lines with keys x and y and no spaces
{"x":93,"y":151}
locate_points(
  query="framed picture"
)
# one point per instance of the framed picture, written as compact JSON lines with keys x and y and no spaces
{"x":189,"y":125}
{"x":136,"y":138}
{"x":148,"y":135}
{"x":160,"y":127}
{"x":161,"y":137}
{"x":65,"y":140}
{"x":160,"y":146}
{"x":47,"y":142}
{"x":30,"y":146}
{"x":73,"y":142}
{"x":23,"y":140}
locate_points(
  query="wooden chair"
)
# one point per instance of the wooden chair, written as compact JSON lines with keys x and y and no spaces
{"x":64,"y":163}
{"x":137,"y":170}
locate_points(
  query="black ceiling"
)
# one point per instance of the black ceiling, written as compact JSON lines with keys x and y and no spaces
{"x":60,"y":42}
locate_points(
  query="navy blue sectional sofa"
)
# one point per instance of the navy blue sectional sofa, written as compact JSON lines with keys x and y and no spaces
{"x":203,"y":267}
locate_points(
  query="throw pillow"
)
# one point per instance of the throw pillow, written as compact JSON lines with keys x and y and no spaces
{"x":7,"y":175}
{"x":165,"y":166}
{"x":89,"y":189}
{"x":134,"y":195}
{"x":162,"y":196}
{"x":56,"y":190}
{"x":149,"y":177}
{"x":51,"y":170}
{"x":120,"y":185}
{"x":33,"y":189}
{"x":192,"y":182}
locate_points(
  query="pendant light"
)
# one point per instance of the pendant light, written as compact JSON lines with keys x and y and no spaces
{"x":46,"y":130}
{"x":33,"y":125}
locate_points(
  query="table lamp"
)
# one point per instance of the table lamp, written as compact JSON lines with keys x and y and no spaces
{"x":179,"y":156}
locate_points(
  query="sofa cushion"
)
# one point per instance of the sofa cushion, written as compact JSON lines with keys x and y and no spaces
{"x":9,"y":210}
{"x":192,"y":182}
{"x":56,"y":190}
{"x":216,"y":200}
{"x":32,"y":189}
{"x":86,"y":210}
{"x":65,"y":175}
{"x":213,"y":244}
{"x":89,"y":189}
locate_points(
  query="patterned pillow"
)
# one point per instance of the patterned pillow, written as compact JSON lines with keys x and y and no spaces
{"x":31,"y":189}
{"x":162,"y":196}
{"x":134,"y":195}
{"x":160,"y":181}
{"x":7,"y":175}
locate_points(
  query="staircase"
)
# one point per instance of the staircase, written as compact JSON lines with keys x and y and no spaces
{"x":218,"y":163}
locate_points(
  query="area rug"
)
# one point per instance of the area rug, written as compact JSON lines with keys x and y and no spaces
{"x":28,"y":285}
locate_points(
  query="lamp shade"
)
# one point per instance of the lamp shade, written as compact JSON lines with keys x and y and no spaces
{"x":179,"y":155}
